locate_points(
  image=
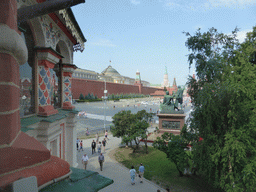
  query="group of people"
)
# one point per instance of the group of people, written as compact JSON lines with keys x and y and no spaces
{"x":96,"y":144}
{"x":133,"y":173}
{"x":99,"y":144}
{"x":85,"y":160}
{"x":79,"y":144}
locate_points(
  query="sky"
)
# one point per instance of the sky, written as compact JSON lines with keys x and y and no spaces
{"x":146,"y":35}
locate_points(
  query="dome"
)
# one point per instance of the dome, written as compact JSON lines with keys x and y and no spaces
{"x":110,"y":71}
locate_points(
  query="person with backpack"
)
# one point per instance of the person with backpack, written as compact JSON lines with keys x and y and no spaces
{"x":104,"y":143}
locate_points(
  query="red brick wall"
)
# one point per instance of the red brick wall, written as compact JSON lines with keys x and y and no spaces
{"x":148,"y":90}
{"x":86,"y":86}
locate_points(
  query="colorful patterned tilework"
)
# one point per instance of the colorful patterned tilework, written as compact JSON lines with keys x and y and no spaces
{"x":44,"y":88}
{"x":66,"y":90}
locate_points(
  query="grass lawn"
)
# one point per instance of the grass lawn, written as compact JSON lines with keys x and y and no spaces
{"x":160,"y":170}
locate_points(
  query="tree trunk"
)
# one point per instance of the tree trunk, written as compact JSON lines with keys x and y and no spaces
{"x":146,"y":145}
{"x":181,"y":173}
{"x":137,"y":143}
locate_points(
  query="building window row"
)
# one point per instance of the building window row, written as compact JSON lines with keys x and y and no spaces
{"x":86,"y":76}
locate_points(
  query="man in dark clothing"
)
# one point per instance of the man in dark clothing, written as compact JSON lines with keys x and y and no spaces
{"x":93,"y":146}
{"x":101,"y":160}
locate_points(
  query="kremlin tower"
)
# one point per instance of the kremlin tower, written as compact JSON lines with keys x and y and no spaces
{"x":137,"y":79}
{"x":166,"y":81}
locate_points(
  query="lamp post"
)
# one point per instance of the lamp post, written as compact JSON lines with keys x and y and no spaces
{"x":105,"y":95}
{"x":105,"y":92}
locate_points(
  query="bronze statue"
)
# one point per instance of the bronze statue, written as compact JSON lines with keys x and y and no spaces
{"x":171,"y":102}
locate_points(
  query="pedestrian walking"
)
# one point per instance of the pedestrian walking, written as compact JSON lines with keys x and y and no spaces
{"x":85,"y":160}
{"x":141,"y":172}
{"x":104,"y":143}
{"x":87,"y":132}
{"x":132,"y":174}
{"x":106,"y":135}
{"x":77,"y":144}
{"x":101,"y":161}
{"x":81,"y":146}
{"x":97,"y":138}
{"x":99,"y":147}
{"x":167,"y":190}
{"x":93,"y":145}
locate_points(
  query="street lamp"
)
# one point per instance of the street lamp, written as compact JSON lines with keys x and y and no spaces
{"x":105,"y":93}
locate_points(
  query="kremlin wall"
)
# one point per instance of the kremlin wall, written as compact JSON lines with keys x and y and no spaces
{"x":86,"y":86}
{"x":115,"y":84}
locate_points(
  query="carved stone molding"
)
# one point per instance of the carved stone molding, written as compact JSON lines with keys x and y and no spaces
{"x":71,"y":26}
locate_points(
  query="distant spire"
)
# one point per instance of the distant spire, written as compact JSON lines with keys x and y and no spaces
{"x":138,"y":79}
{"x":174,"y":82}
{"x":166,"y":70}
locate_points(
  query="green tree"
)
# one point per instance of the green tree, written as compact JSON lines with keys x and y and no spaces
{"x":224,"y":108}
{"x":81,"y":97}
{"x":173,"y":146}
{"x":122,"y":122}
{"x":131,"y":127}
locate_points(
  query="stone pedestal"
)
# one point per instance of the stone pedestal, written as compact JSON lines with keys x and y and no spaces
{"x":171,"y":123}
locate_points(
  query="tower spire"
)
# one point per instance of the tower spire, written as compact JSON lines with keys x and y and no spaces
{"x":174,"y":82}
{"x":166,"y":81}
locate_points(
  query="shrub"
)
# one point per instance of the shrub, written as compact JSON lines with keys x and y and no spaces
{"x":81,"y":97}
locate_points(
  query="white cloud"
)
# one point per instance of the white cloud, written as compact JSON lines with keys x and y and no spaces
{"x":172,"y":4}
{"x":103,"y":43}
{"x":135,"y":2}
{"x":242,"y":34}
{"x":229,"y":3}
{"x":204,"y":5}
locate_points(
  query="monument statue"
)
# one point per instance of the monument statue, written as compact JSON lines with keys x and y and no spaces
{"x":171,"y":103}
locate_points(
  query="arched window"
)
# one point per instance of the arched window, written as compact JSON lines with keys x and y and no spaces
{"x":27,"y":75}
{"x":56,"y":83}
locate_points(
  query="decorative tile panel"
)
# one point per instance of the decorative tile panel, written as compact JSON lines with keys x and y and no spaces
{"x":44,"y":88}
{"x":66,"y":89}
{"x":51,"y":32}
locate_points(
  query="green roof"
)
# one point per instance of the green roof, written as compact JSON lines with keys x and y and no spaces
{"x":80,"y":180}
{"x":110,"y":71}
{"x":25,"y":122}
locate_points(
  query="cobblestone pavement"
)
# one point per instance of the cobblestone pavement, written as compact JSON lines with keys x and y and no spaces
{"x":114,"y":170}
